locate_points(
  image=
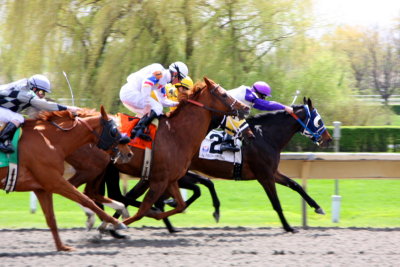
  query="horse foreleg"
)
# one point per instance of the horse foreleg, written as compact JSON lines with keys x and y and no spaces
{"x":282,"y":179}
{"x":270,"y":189}
{"x":65,"y":189}
{"x":46,"y":202}
{"x":210,"y":185}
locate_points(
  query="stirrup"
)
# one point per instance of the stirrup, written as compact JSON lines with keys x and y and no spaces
{"x":229,"y":147}
{"x":7,"y":148}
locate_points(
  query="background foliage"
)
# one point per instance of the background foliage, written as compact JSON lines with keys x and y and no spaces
{"x":234,"y":42}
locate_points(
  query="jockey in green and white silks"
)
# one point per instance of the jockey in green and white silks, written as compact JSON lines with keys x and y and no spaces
{"x":253,"y":96}
{"x":19,"y":95}
{"x":136,"y":93}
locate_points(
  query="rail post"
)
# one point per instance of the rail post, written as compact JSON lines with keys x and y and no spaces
{"x":336,"y":198}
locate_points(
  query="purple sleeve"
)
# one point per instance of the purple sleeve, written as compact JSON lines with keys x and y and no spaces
{"x":250,"y":96}
{"x":267,"y":105}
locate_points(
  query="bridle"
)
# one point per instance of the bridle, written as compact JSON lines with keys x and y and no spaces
{"x":232,"y":111}
{"x":309,"y":126}
{"x":109,"y":136}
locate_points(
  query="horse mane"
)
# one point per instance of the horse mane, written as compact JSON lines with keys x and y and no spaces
{"x":43,"y":116}
{"x":190,"y":94}
{"x":49,"y":115}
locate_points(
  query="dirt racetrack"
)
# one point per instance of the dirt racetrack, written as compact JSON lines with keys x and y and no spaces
{"x":237,"y":246}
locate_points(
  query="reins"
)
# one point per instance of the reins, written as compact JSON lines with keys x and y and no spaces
{"x":232,"y":112}
{"x":76,"y":121}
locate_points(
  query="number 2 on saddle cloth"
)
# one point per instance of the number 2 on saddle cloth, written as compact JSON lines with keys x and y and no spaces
{"x":127,"y":123}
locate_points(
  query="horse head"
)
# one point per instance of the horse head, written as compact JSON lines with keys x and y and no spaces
{"x":110,"y":138}
{"x":312,"y":124}
{"x":226,"y":104}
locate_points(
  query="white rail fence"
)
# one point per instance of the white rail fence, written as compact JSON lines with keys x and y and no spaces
{"x":377,"y":99}
{"x":306,"y":166}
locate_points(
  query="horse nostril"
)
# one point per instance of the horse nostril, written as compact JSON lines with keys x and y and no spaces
{"x":130,"y":155}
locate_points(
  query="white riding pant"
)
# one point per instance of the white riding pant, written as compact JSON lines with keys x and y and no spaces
{"x":136,"y":102}
{"x":7,"y":115}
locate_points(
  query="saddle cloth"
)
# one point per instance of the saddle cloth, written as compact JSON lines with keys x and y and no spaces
{"x":210,"y":148}
{"x":127,"y":123}
{"x":11,"y":161}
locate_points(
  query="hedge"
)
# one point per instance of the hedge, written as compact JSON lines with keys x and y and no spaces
{"x":353,"y":139}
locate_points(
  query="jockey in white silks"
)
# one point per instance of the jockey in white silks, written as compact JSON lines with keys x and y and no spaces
{"x":19,"y":95}
{"x":136,"y":93}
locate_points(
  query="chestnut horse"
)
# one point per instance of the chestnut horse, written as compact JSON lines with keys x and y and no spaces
{"x":176,"y":142}
{"x":261,"y":156}
{"x":44,"y":144}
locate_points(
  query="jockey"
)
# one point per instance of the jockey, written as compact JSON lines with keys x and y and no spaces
{"x":253,"y":97}
{"x":173,"y":91}
{"x":19,"y":95}
{"x":136,"y":93}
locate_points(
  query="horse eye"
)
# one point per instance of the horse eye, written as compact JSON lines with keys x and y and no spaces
{"x":113,"y":132}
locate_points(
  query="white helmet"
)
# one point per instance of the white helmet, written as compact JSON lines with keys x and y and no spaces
{"x":40,"y":82}
{"x":180,"y":68}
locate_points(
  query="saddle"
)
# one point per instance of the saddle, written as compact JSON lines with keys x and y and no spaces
{"x":11,"y":161}
{"x":127,"y":123}
{"x":210,"y":150}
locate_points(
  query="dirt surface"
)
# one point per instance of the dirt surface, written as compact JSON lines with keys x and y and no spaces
{"x":205,"y":247}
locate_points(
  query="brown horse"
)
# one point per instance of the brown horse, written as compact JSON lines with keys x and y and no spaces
{"x":260,"y":156}
{"x":177,"y":140}
{"x":43,"y":146}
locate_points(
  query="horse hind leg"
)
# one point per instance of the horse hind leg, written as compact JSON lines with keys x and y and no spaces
{"x":46,"y":202}
{"x":282,"y":179}
{"x":153,"y":194}
{"x":173,"y":189}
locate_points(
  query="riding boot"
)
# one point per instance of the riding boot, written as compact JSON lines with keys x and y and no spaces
{"x":139,"y":129}
{"x":228,"y":144}
{"x":6,"y":137}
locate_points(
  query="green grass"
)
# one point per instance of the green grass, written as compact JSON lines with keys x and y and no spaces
{"x":365,"y":203}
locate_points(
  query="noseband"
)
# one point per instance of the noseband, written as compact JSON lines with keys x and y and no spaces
{"x":231,"y":112}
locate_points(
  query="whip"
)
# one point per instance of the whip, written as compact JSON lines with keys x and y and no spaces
{"x":295,"y":97}
{"x":70,"y":88}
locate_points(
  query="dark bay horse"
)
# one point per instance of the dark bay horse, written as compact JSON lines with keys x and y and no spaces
{"x":44,"y":144}
{"x":262,"y":155}
{"x":177,"y":140}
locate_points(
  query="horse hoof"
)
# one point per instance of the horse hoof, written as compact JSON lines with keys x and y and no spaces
{"x":120,"y":226}
{"x":320,"y":211}
{"x":116,"y":235}
{"x":216,"y":216}
{"x":291,"y":230}
{"x":173,"y":231}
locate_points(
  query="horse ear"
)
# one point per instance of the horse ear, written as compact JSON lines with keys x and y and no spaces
{"x":208,"y":81}
{"x":309,"y":103}
{"x":103,"y":112}
{"x":304,"y":100}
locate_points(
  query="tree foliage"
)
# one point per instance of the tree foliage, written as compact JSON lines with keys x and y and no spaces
{"x":99,"y":43}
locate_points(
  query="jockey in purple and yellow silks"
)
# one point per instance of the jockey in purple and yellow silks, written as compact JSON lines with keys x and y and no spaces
{"x":136,"y":93}
{"x":253,"y":97}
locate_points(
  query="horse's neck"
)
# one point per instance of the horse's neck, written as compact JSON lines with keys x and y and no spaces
{"x":73,"y":139}
{"x":191,"y":123}
{"x":278,"y":132}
